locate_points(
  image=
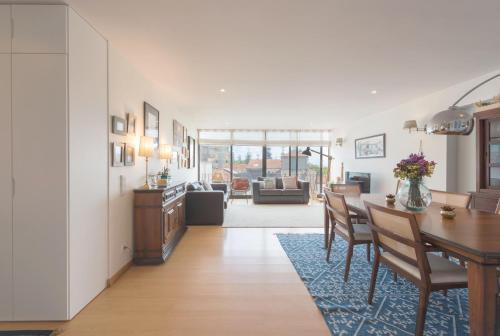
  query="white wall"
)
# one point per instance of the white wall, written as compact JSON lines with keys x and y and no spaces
{"x":128,"y":90}
{"x":455,"y":155}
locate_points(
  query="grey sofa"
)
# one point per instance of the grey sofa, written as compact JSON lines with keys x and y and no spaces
{"x":204,"y":206}
{"x":280,"y":195}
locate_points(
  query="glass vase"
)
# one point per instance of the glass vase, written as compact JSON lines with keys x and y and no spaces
{"x":414,"y":195}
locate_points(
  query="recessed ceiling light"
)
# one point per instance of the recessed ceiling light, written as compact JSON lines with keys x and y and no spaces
{"x":374,"y":92}
{"x":222,"y":90}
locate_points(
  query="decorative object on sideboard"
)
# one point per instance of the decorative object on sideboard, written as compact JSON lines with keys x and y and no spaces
{"x":456,"y":120}
{"x":146,"y":149}
{"x":390,"y":199}
{"x":412,"y":125}
{"x":118,"y":125}
{"x":370,"y":147}
{"x":117,"y":154}
{"x":448,"y":212}
{"x":152,"y":123}
{"x":129,"y":155}
{"x":131,"y":123}
{"x":165,"y":153}
{"x":178,"y":134}
{"x":413,"y":194}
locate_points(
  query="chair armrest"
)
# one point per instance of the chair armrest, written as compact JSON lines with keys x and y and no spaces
{"x":219,"y":186}
{"x":256,"y":187}
{"x":304,"y":185}
{"x":205,"y":207}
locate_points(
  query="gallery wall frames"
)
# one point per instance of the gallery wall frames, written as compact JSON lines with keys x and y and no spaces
{"x":370,"y":147}
{"x":152,"y":123}
{"x":129,"y":155}
{"x":118,"y":125}
{"x":117,"y":154}
{"x":131,"y":123}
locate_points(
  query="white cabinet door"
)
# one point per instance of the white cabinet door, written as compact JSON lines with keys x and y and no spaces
{"x":5,"y":191}
{"x":40,"y":157}
{"x":5,"y":29}
{"x":39,"y":28}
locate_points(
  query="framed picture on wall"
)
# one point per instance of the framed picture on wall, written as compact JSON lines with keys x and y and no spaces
{"x":152,"y":123}
{"x":118,"y":125}
{"x":189,"y":151}
{"x":131,"y":123}
{"x":117,"y":154}
{"x":129,"y":155}
{"x":178,"y":139}
{"x":370,"y":147}
{"x":193,"y":153}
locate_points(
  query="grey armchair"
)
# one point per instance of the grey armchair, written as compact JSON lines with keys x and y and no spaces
{"x":204,"y":207}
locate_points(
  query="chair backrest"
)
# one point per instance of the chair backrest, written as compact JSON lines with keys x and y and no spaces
{"x":339,"y":213}
{"x":240,"y":183}
{"x":346,"y":189}
{"x":397,"y":232}
{"x":454,"y":199}
{"x":497,"y":211}
{"x":398,"y":185}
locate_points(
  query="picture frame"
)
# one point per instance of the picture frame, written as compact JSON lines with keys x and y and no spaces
{"x":129,"y":155}
{"x":117,"y":154}
{"x":118,"y":125}
{"x":152,"y":123}
{"x":188,"y":154}
{"x":193,"y":153}
{"x":370,"y":147}
{"x":131,"y":123}
{"x":178,"y":134}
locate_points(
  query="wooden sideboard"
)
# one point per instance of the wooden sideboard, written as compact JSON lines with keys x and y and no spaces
{"x":159,"y":222}
{"x":487,"y":160}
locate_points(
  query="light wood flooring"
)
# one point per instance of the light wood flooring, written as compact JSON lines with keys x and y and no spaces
{"x":217,"y":282}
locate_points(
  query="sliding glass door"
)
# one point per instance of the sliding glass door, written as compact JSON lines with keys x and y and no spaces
{"x":215,"y":164}
{"x":247,"y":162}
{"x":277,"y":161}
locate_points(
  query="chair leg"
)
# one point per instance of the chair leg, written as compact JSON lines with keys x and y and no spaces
{"x":422,"y":310}
{"x":330,"y":243}
{"x":368,"y":251}
{"x":348,"y":261}
{"x":373,"y":280}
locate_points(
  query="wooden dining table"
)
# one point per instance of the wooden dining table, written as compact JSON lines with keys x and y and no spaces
{"x":472,"y":235}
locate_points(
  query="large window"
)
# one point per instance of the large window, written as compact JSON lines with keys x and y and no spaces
{"x":225,"y":154}
{"x":247,"y":162}
{"x":215,"y":164}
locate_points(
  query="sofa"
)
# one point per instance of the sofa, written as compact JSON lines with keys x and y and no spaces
{"x":280,"y":195}
{"x":206,"y":206}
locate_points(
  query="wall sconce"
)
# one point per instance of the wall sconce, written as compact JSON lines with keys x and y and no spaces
{"x":412,"y":125}
{"x":339,"y":142}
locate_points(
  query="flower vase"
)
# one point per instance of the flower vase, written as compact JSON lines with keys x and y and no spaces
{"x":414,"y":195}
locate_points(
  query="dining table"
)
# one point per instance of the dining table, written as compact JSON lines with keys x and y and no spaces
{"x":472,"y":235}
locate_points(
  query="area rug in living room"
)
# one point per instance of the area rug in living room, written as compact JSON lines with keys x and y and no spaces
{"x":274,"y":215}
{"x":344,"y":305}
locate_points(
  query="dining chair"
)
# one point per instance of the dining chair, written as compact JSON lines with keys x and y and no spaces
{"x":453,"y":199}
{"x":398,"y":185}
{"x":354,"y":234}
{"x":398,"y":245}
{"x":349,"y":190}
{"x":240,"y":185}
{"x":497,"y":211}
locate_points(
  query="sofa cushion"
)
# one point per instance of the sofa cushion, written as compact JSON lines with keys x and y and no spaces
{"x":292,"y":192}
{"x":207,"y":186}
{"x":269,"y":183}
{"x":279,"y":183}
{"x":195,"y":186}
{"x":271,"y":192}
{"x":289,"y":182}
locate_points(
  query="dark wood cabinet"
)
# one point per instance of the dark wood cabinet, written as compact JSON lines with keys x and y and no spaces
{"x":159,"y":222}
{"x":487,"y":160}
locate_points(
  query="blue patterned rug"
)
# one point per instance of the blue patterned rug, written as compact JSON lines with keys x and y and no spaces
{"x":345,"y":307}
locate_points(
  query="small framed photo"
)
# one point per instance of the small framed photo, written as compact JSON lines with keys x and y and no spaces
{"x":129,"y":155}
{"x":131,"y":123}
{"x":152,"y":123}
{"x":119,"y":125}
{"x":370,"y":147}
{"x":117,"y":154}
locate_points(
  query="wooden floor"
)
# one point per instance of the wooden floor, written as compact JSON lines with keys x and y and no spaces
{"x":217,"y":282}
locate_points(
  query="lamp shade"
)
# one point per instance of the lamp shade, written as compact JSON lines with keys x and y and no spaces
{"x":307,"y":151}
{"x":410,"y":124}
{"x":165,"y":152}
{"x":146,"y":147}
{"x":453,"y":121}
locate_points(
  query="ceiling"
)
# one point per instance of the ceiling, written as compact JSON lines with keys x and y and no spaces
{"x":299,"y":63}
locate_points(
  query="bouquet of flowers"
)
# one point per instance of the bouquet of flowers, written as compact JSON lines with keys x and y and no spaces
{"x":414,"y":167}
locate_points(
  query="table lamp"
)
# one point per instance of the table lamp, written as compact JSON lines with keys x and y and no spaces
{"x":146,"y":151}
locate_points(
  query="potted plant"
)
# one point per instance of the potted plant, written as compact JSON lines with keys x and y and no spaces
{"x":448,"y":212}
{"x":390,"y":199}
{"x":414,"y":195}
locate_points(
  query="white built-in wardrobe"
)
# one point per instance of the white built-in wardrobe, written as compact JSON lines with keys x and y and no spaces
{"x":53,"y":171}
